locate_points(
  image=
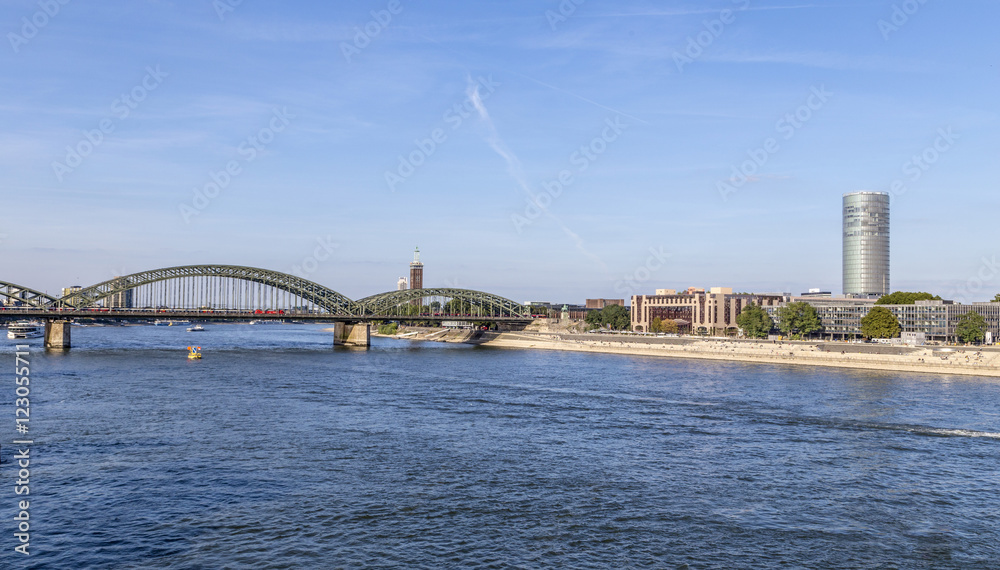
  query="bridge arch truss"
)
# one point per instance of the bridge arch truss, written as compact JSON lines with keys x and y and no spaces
{"x":30,"y":297}
{"x":212,"y":287}
{"x":413,"y":303}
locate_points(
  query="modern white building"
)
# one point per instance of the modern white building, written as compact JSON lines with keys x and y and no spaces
{"x":866,"y":244}
{"x":934,"y":320}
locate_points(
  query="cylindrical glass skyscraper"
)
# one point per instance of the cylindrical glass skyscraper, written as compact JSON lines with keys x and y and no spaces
{"x":866,"y":243}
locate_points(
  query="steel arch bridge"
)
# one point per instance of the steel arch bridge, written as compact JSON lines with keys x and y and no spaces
{"x":395,"y":304}
{"x":25,"y":295}
{"x":194,"y":285}
{"x":241,"y":290}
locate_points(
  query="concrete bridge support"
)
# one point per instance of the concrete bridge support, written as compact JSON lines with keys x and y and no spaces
{"x":352,"y":335}
{"x":57,"y":334}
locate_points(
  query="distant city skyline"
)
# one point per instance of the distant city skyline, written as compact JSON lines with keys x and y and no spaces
{"x":537,"y":151}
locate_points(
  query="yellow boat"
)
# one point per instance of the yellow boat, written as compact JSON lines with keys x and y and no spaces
{"x":194,"y":352}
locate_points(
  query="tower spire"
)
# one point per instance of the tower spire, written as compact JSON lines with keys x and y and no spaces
{"x":416,"y":275}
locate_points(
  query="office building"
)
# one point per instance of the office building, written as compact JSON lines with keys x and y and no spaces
{"x":866,"y":244}
{"x":696,"y":311}
{"x":67,"y":291}
{"x":122,"y":300}
{"x":543,"y":309}
{"x":818,"y":293}
{"x":931,"y":320}
{"x":401,"y":284}
{"x":601,"y":303}
{"x":840,"y":316}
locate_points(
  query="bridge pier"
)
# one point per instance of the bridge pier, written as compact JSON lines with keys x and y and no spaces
{"x":57,"y":334}
{"x":352,"y":335}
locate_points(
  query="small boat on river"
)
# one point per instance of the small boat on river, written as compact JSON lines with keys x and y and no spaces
{"x":24,"y":330}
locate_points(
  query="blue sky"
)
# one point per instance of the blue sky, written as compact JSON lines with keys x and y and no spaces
{"x":441,"y":127}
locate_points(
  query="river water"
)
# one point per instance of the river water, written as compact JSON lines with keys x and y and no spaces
{"x":277,"y":450}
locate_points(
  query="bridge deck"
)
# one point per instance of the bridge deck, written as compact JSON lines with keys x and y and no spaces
{"x":10,"y":313}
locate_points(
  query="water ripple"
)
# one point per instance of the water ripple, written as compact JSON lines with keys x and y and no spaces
{"x":285,"y":453}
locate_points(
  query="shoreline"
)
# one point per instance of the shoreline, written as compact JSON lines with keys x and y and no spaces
{"x":928,"y":360}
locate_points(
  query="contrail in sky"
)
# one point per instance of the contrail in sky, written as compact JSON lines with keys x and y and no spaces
{"x":516,"y":172}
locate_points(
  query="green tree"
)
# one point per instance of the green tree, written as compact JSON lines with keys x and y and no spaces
{"x":617,"y":317}
{"x":971,"y":327}
{"x":613,"y":316}
{"x":996,"y":299}
{"x":799,"y":318}
{"x":593,"y":318}
{"x":906,"y":298}
{"x":755,"y":321}
{"x":663,"y":326}
{"x":880,"y":323}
